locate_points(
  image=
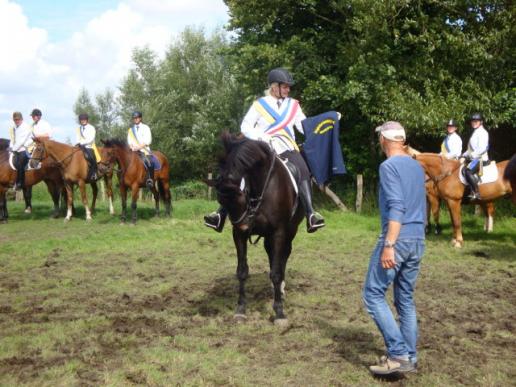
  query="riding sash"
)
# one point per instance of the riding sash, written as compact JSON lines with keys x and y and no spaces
{"x":279,"y":123}
{"x":132,"y":134}
{"x":445,"y":148}
{"x":93,"y":145}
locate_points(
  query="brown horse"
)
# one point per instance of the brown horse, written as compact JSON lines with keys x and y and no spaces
{"x":48,"y":172}
{"x":132,"y":176}
{"x":510,"y":174}
{"x":73,"y":167}
{"x":266,"y":207}
{"x":433,"y":209}
{"x":445,"y":175}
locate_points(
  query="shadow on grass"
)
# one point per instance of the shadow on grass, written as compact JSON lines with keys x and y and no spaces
{"x":222,"y":296}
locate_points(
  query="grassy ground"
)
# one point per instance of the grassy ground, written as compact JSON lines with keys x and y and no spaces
{"x":99,"y":303}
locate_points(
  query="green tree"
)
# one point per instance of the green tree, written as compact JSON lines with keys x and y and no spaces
{"x":107,"y":113}
{"x":83,"y":104}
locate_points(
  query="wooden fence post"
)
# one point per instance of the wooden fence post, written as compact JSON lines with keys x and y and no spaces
{"x":360,"y":193}
{"x":209,"y":187}
{"x":326,"y":190}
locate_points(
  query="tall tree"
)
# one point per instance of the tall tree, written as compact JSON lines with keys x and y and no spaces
{"x":106,"y":109}
{"x":84,"y":104}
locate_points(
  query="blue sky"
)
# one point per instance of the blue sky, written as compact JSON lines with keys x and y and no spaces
{"x":61,"y":18}
{"x":54,"y":48}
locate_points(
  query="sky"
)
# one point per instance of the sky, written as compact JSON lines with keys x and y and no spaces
{"x":53,"y":48}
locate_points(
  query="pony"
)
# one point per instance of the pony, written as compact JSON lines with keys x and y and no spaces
{"x":132,"y":176}
{"x":445,"y":175}
{"x":74,"y":170}
{"x":267,"y":207}
{"x":510,"y":175}
{"x":48,"y":172}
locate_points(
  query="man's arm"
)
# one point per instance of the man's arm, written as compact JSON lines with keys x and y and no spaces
{"x":387,"y":258}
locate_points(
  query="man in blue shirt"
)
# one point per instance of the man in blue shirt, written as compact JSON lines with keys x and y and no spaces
{"x":397,"y":256}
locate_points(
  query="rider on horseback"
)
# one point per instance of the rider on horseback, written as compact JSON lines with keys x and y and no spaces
{"x":86,"y":141}
{"x":139,"y":139}
{"x":40,"y":128}
{"x":272,"y":119}
{"x":451,"y":148}
{"x":21,"y":141}
{"x":477,"y":153}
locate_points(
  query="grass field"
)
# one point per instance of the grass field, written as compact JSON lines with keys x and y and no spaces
{"x":100,"y":303}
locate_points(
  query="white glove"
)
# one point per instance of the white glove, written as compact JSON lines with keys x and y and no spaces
{"x":339,"y":115}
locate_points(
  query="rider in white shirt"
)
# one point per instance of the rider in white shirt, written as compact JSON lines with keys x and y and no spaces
{"x":477,"y":152}
{"x":40,"y":127}
{"x":272,"y":119}
{"x":85,"y":139}
{"x":21,"y":141}
{"x":139,"y":139}
{"x":451,"y":148}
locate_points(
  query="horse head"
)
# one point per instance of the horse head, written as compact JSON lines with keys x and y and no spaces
{"x":39,"y":153}
{"x":242,"y":164}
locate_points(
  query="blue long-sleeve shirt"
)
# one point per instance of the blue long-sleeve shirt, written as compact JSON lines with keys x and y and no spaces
{"x":402,"y":196}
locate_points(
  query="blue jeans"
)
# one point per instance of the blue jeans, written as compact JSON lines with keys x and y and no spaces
{"x":401,"y":339}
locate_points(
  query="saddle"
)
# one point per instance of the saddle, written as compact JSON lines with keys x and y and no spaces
{"x":12,"y":163}
{"x":487,"y":173}
{"x":90,"y":159}
{"x":151,"y":158}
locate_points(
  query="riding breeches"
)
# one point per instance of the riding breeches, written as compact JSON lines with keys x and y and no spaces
{"x":298,"y":160}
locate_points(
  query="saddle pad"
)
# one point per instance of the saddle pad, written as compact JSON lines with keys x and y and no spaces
{"x":155,"y":162}
{"x":27,"y":168}
{"x":490,"y":174}
{"x":292,"y":179}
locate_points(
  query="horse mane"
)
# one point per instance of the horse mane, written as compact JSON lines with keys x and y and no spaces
{"x":510,"y":169}
{"x":112,"y":142}
{"x":241,"y":154}
{"x":4,"y":144}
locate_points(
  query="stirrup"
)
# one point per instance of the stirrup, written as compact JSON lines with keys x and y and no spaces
{"x":149,"y":183}
{"x":312,"y":225}
{"x":215,"y":224}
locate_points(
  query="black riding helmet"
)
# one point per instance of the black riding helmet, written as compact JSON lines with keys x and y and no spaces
{"x":451,"y":122}
{"x":476,"y":117}
{"x":83,"y":116}
{"x":137,"y":114}
{"x":280,"y":75}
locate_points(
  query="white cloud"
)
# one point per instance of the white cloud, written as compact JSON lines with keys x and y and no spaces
{"x":38,"y":73}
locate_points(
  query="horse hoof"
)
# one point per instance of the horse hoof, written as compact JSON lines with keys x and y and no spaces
{"x":88,"y":219}
{"x":457,"y":244}
{"x":66,"y":220}
{"x":28,"y":211}
{"x":239,"y":318}
{"x":281,"y":322}
{"x":122,"y":223}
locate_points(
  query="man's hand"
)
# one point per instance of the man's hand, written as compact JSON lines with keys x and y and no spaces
{"x":387,"y":258}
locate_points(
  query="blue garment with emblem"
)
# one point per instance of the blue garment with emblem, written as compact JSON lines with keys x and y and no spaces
{"x":322,"y":148}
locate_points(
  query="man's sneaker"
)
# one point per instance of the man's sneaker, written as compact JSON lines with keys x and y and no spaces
{"x":388,"y":366}
{"x":214,"y":221}
{"x":314,"y":222}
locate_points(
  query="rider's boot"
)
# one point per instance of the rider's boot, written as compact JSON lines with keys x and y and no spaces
{"x":473,"y":184}
{"x":149,"y":180}
{"x":314,"y":220}
{"x":216,"y":219}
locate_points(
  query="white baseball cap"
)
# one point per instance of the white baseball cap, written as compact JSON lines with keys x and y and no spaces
{"x":392,"y":130}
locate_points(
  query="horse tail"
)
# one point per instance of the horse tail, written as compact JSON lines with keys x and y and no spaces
{"x":510,"y":170}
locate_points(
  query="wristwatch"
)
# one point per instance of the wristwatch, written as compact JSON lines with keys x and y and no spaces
{"x":388,"y":244}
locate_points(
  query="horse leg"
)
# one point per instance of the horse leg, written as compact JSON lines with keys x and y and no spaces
{"x":94,"y":192}
{"x":242,"y":273}
{"x":123,"y":199}
{"x":164,"y":186}
{"x":109,"y":192}
{"x":27,"y":196}
{"x":488,"y":209}
{"x":69,"y":200}
{"x":54,"y":192}
{"x":455,"y":215}
{"x":3,"y":206}
{"x":428,"y":227}
{"x":155,"y":194}
{"x":84,"y":198}
{"x":268,"y":248}
{"x":281,"y":249}
{"x":436,"y":208}
{"x":135,"y":190}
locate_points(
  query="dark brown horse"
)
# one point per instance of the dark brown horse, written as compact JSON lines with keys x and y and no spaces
{"x":132,"y":176}
{"x":73,"y":168}
{"x":266,"y":207}
{"x":510,"y":175}
{"x":49,"y":173}
{"x":445,"y":175}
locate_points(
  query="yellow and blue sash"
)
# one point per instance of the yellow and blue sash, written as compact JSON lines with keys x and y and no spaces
{"x":279,"y":123}
{"x":93,"y":146}
{"x":131,"y":133}
{"x":445,"y":149}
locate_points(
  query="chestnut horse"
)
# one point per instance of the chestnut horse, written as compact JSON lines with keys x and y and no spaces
{"x":74,"y":170}
{"x":266,"y":207}
{"x":49,"y":173}
{"x":433,"y":209}
{"x":510,"y":174}
{"x":445,"y":175}
{"x":132,"y":175}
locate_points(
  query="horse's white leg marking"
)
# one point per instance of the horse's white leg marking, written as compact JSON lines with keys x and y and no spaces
{"x":111,"y":208}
